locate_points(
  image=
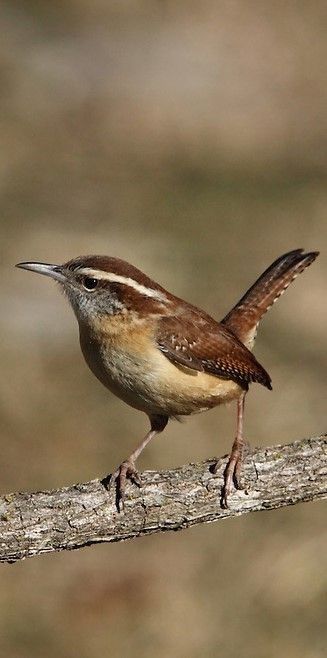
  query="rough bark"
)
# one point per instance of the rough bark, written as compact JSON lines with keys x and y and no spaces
{"x":85,"y":514}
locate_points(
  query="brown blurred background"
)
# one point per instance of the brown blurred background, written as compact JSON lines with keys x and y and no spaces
{"x":189,"y":138}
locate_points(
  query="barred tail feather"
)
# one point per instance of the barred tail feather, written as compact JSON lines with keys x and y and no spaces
{"x":244,"y":318}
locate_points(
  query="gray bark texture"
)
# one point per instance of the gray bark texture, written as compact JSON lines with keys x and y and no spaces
{"x":85,"y":514}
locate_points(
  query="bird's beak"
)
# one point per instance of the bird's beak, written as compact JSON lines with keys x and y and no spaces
{"x":54,"y":271}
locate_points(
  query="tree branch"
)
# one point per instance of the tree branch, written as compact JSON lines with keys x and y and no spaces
{"x":84,"y":514}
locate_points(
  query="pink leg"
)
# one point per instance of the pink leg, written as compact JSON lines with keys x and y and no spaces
{"x":127,"y":467}
{"x":239,"y":449}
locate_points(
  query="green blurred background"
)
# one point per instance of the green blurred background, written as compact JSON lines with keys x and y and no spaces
{"x":189,"y":138}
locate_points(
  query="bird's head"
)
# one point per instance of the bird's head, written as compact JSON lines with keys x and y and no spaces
{"x":102,"y":285}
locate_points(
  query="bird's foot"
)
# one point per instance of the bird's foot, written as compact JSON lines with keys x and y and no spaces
{"x":118,"y":479}
{"x":232,"y":473}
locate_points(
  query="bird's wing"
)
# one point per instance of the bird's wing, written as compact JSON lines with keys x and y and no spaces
{"x":200,"y":343}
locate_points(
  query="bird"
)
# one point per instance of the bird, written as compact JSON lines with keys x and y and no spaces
{"x":164,"y":356}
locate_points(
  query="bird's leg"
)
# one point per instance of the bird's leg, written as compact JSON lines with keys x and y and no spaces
{"x":239,"y":449}
{"x":127,"y":467}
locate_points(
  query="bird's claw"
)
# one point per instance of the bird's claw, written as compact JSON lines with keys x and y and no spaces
{"x":232,"y":474}
{"x":118,"y":479}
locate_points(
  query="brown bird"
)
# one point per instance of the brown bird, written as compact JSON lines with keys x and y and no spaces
{"x":162,"y":355}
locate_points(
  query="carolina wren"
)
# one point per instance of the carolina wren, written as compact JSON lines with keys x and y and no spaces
{"x":162,"y":355}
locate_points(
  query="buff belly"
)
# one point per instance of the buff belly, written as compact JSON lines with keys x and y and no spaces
{"x":146,"y":380}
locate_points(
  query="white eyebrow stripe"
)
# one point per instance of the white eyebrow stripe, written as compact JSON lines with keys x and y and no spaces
{"x":125,"y":280}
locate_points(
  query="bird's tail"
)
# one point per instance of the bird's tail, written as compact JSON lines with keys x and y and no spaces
{"x":244,"y":318}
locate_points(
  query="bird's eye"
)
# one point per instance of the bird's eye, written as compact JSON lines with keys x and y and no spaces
{"x":89,"y":283}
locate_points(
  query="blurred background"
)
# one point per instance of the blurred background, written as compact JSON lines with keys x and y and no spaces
{"x":189,"y":138}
